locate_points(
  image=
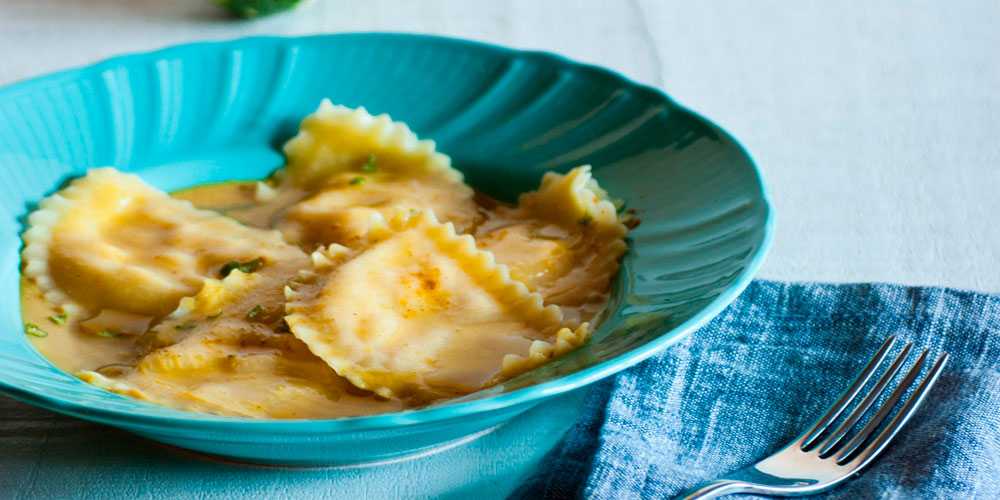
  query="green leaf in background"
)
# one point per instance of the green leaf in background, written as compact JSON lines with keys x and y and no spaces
{"x":257,"y":8}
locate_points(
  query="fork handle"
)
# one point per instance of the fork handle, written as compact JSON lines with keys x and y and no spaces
{"x":716,"y":488}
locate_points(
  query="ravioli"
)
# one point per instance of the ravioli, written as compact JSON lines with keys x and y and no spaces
{"x":363,"y":277}
{"x":361,"y":167}
{"x":420,"y":313}
{"x":241,"y":373}
{"x":224,"y":330}
{"x":563,"y":241}
{"x":111,"y":241}
{"x":335,"y":139}
{"x":251,"y":301}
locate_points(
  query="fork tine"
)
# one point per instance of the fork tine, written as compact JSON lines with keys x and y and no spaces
{"x":845,"y":399}
{"x":897,"y":423}
{"x":838,"y":435}
{"x":887,"y":406}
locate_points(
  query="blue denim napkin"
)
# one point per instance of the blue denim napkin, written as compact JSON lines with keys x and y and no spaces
{"x":751,"y":380}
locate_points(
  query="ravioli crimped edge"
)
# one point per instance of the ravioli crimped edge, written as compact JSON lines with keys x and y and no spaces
{"x":495,"y":278}
{"x":50,"y":212}
{"x":587,"y":195}
{"x":392,"y":136}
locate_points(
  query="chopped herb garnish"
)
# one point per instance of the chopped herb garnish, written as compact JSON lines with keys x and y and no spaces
{"x":369,"y":166}
{"x":255,"y":311}
{"x":107,"y":334}
{"x":357,"y":181}
{"x":414,"y":211}
{"x":283,"y":327}
{"x":586,"y":219}
{"x":32,"y":329}
{"x":216,"y":315}
{"x":228,"y":268}
{"x":245,"y":267}
{"x":186,"y":326}
{"x":231,"y":356}
{"x":59,"y":319}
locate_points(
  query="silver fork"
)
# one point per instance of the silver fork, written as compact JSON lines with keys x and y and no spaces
{"x":807,"y":466}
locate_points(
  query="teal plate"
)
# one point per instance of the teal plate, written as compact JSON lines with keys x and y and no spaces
{"x":216,"y":111}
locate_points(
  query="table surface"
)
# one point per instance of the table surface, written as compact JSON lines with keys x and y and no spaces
{"x":875,"y":123}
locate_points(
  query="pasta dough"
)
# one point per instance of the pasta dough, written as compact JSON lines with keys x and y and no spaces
{"x":563,"y":241}
{"x":222,"y":351}
{"x":341,"y":213}
{"x":240,"y":373}
{"x":111,"y":241}
{"x":419,"y":312}
{"x":336,"y":138}
{"x":385,"y":283}
{"x":365,"y":168}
